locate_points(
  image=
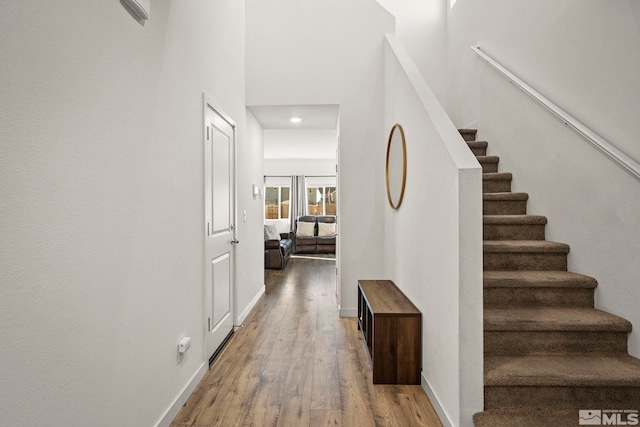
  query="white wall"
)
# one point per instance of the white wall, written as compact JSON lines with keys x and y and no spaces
{"x":102,"y":203}
{"x":300,"y":144}
{"x":250,"y":250}
{"x":590,"y":70}
{"x":331,"y":52}
{"x":421,"y":28}
{"x":307,"y":167}
{"x":433,"y":242}
{"x":585,"y":57}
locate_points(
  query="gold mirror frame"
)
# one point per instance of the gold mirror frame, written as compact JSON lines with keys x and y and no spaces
{"x":396,"y":205}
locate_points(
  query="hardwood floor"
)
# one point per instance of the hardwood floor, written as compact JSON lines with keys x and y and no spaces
{"x":296,"y":363}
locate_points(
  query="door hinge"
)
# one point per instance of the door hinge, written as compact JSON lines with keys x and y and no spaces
{"x":207,"y":133}
{"x":209,"y":323}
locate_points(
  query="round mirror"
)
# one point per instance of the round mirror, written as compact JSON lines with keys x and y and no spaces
{"x":396,"y":168}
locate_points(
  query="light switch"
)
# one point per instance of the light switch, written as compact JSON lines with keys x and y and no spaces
{"x":244,"y":216}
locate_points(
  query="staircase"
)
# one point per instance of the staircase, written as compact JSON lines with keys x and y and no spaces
{"x":548,"y":352}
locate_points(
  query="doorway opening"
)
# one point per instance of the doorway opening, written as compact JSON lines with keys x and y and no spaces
{"x":301,"y":168}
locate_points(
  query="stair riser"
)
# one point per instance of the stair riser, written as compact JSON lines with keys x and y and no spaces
{"x":468,"y":136}
{"x":536,"y":418}
{"x":479,"y":151}
{"x":496,"y":186}
{"x":489,"y":167}
{"x":504,"y":207}
{"x":525,"y":261}
{"x":561,"y":397}
{"x":513,"y":232}
{"x":537,"y":297}
{"x":524,"y":342}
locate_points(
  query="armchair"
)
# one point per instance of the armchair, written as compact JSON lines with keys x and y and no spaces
{"x":277,"y":248}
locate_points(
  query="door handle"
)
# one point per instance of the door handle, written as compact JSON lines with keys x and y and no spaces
{"x":235,"y":242}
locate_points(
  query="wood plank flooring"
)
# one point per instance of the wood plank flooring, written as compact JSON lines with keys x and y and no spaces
{"x":296,"y":363}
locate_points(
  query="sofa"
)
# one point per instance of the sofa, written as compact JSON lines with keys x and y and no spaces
{"x":277,"y":248}
{"x":314,"y":234}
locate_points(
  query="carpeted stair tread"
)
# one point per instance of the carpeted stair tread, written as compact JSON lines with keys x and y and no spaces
{"x":514,"y":219}
{"x":477,"y":144}
{"x":564,"y":370}
{"x":497,"y":176}
{"x":478,"y":148}
{"x":488,"y":159}
{"x":553,"y":319}
{"x":513,"y":226}
{"x":496,"y":182}
{"x":527,"y":418}
{"x":505,"y":196}
{"x":489,"y":163}
{"x":468,"y":134}
{"x":537,"y":279}
{"x":524,"y":246}
{"x":544,"y":288}
{"x":504,"y":202}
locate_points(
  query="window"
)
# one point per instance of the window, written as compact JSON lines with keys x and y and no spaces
{"x":276,"y":202}
{"x":321,"y":200}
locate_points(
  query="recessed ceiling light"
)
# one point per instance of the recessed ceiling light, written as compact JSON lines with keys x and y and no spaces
{"x":295,"y":119}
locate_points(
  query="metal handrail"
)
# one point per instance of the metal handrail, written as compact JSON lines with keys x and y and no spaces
{"x":624,"y":161}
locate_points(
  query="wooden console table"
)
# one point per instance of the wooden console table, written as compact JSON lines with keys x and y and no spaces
{"x":392,"y":330}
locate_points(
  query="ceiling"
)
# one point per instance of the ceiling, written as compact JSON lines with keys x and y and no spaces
{"x":314,"y":117}
{"x":314,"y":138}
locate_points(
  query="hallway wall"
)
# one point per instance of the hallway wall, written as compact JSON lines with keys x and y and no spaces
{"x":433,"y":241}
{"x":308,"y":152}
{"x":250,"y":251}
{"x":101,"y":255}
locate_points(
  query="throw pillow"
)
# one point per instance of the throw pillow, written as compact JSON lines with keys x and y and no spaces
{"x":306,"y":229}
{"x":270,"y":232}
{"x":326,"y":229}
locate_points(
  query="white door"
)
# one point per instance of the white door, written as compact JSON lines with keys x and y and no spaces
{"x":219,"y":184}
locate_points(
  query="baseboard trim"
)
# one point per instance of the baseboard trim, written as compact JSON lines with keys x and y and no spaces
{"x":173,"y":410}
{"x":442,"y":414}
{"x":348,"y":312}
{"x":241,"y":318}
